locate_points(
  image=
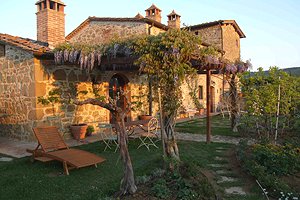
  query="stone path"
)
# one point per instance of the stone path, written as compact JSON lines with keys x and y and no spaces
{"x":224,"y":179}
{"x":202,"y":138}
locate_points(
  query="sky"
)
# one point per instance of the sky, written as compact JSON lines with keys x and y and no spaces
{"x":272,"y":27}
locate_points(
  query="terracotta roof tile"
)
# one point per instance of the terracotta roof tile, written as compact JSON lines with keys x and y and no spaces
{"x":173,"y":13}
{"x":153,"y":7}
{"x":139,"y":16}
{"x":57,"y":1}
{"x":25,"y":43}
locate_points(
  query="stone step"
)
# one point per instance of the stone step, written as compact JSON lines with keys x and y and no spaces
{"x":226,"y":179}
{"x":5,"y":159}
{"x":235,"y":190}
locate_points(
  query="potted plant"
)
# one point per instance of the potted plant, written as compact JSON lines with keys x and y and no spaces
{"x":89,"y":131}
{"x":78,"y":131}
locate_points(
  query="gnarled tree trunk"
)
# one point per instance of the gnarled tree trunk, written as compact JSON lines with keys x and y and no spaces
{"x":170,"y":143}
{"x":127,"y":183}
{"x":234,"y":104}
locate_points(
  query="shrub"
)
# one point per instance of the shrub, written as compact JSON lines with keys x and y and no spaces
{"x":267,"y":162}
{"x":160,"y":189}
{"x":280,"y":160}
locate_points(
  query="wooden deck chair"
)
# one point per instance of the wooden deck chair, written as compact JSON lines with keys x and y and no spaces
{"x":150,"y":133}
{"x":51,"y":146}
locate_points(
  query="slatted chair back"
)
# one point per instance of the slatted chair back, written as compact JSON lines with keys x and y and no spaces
{"x":49,"y":138}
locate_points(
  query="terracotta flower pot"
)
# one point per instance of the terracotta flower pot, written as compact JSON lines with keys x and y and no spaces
{"x":78,"y":131}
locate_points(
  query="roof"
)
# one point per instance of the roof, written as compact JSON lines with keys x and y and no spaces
{"x":112,"y":19}
{"x":139,"y":16}
{"x":57,"y":1}
{"x":25,"y":43}
{"x":173,"y":13}
{"x":153,"y":7}
{"x":220,"y":22}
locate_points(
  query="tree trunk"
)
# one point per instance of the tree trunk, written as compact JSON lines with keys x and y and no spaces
{"x":127,"y":183}
{"x":170,"y":144}
{"x":234,"y":98}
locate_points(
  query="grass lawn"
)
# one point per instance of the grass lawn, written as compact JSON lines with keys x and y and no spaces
{"x":220,"y":126}
{"x":21,"y":179}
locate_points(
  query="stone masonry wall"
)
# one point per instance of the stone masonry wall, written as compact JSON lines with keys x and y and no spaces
{"x":212,"y":35}
{"x":231,"y":43}
{"x":72,"y":75}
{"x":216,"y":83}
{"x":17,"y":93}
{"x":102,"y":32}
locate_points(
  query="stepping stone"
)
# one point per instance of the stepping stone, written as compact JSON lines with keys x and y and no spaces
{"x":235,"y":190}
{"x":226,"y":179}
{"x":219,"y":158}
{"x":5,"y":159}
{"x":215,"y":165}
{"x":220,"y":172}
{"x":221,"y":148}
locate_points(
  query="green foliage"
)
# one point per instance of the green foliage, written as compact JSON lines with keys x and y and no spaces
{"x":167,"y":57}
{"x":90,"y":129}
{"x":267,"y":162}
{"x":261,"y":94}
{"x":278,"y":160}
{"x":160,"y":189}
{"x":52,"y":98}
{"x":193,"y":87}
{"x":188,"y":182}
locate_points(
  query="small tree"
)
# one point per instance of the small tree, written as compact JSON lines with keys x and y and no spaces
{"x":232,"y":72}
{"x":127,"y":183}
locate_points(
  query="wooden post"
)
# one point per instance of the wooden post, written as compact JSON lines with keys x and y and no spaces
{"x":277,"y":113}
{"x":208,"y":123}
{"x":150,"y":96}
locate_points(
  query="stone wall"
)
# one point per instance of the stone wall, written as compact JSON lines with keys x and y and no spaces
{"x":69,"y":75}
{"x":17,"y":93}
{"x":97,"y":32}
{"x":212,"y":35}
{"x":216,"y":83}
{"x":231,"y":43}
{"x":154,"y":30}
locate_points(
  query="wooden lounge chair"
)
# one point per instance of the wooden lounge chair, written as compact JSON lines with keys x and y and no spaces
{"x":51,"y":146}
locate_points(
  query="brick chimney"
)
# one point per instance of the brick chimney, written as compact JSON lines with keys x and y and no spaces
{"x":173,"y":20}
{"x":50,"y":22}
{"x":154,"y":13}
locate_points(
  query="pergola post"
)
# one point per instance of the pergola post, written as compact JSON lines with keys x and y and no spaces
{"x":208,"y":122}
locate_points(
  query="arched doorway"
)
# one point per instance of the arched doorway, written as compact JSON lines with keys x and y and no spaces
{"x":118,"y":83}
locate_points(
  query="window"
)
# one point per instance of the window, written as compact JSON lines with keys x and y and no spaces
{"x":52,"y":5}
{"x":2,"y":50}
{"x":237,"y":43}
{"x":196,"y":33}
{"x":200,"y":92}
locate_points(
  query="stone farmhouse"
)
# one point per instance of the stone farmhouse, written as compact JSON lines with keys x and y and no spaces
{"x":28,"y":71}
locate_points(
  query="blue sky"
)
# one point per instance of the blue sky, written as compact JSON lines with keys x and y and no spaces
{"x":272,"y":27}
